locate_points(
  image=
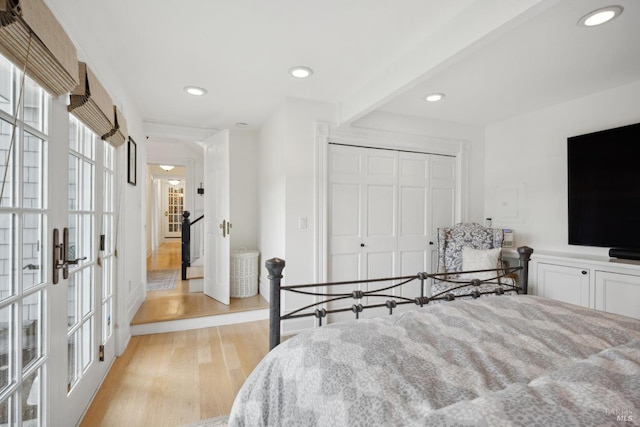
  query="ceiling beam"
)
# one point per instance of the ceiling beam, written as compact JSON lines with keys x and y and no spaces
{"x":477,"y":25}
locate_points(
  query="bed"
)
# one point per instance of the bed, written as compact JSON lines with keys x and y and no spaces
{"x":504,"y":360}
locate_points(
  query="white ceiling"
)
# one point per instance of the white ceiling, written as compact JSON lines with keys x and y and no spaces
{"x":492,"y":58}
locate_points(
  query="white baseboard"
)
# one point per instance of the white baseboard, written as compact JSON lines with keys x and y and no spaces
{"x":199,"y":322}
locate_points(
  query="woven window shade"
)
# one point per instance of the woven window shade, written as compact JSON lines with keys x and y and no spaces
{"x":90,"y":102}
{"x":118,"y":134}
{"x":29,"y":33}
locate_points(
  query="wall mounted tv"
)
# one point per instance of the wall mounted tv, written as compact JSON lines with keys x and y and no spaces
{"x":604,"y":189}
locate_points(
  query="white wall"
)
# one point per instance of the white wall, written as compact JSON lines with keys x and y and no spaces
{"x":300,"y":198}
{"x":271,"y":192}
{"x":287,"y":188}
{"x":474,"y":135}
{"x":131,"y":235}
{"x":527,"y":156}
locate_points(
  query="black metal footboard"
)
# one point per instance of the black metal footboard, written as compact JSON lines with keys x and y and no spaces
{"x":384,"y":295}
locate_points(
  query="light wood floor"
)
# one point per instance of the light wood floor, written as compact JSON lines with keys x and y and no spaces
{"x":178,"y":377}
{"x":179,"y":303}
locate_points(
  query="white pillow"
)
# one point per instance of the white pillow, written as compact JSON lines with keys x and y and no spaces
{"x":479,"y":259}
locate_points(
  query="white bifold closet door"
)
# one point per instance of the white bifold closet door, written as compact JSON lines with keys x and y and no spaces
{"x":384,"y":209}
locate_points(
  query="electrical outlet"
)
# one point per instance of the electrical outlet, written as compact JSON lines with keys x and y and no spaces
{"x":302,"y":223}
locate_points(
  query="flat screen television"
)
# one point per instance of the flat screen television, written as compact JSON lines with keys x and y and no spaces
{"x":604,"y":188}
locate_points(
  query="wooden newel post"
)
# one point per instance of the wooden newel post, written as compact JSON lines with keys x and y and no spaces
{"x":274,"y":267}
{"x":186,"y":243}
{"x":523,"y":279}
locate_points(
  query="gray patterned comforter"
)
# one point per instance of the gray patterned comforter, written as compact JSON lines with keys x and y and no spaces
{"x":508,"y":360}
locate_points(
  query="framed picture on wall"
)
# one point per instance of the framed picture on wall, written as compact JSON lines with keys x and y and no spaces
{"x":131,"y":165}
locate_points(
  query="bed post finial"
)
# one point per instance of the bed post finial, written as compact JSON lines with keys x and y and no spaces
{"x":523,"y":279}
{"x":274,"y":267}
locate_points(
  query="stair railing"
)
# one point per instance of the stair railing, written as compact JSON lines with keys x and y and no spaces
{"x":186,"y":241}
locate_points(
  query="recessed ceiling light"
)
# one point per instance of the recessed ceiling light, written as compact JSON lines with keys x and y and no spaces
{"x":600,"y":16}
{"x":167,"y":167}
{"x":301,"y":72}
{"x":174,"y":181}
{"x":196,"y":91}
{"x":434,"y":97}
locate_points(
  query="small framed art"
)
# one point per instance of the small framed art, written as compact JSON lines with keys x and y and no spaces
{"x":132,"y":161}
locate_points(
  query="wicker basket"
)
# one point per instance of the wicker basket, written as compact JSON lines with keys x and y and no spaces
{"x":244,"y":273}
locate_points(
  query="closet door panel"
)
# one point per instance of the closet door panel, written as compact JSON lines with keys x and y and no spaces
{"x":413,"y":202}
{"x":413,"y":236}
{"x":379,"y":265}
{"x":343,"y":267}
{"x":442,"y":200}
{"x":345,"y":210}
{"x":381,"y":211}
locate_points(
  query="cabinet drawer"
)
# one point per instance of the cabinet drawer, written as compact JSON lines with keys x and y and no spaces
{"x":618,"y":293}
{"x":564,"y":283}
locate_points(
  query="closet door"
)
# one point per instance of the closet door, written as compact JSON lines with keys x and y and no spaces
{"x":413,"y":218}
{"x":442,"y":201}
{"x":362,"y":217}
{"x":385,"y":207}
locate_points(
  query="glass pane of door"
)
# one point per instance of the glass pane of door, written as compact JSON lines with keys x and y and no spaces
{"x":81,"y":308}
{"x":23,"y":258}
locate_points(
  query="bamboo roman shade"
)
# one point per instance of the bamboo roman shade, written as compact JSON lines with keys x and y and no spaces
{"x":90,"y":102}
{"x":29,"y":33}
{"x":118,"y":134}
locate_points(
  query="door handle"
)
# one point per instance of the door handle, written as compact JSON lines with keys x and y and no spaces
{"x":228,"y":228}
{"x":223,"y":226}
{"x":60,"y":253}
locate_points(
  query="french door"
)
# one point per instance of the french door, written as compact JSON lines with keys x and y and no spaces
{"x":55,"y":175}
{"x":24,"y":218}
{"x":89,"y":302}
{"x":172,"y":205}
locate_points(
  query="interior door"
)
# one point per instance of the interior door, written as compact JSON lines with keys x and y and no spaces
{"x":217,"y":225}
{"x":414,"y":251}
{"x":172,"y":207}
{"x":363,"y":216}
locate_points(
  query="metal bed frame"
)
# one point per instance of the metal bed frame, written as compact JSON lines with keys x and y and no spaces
{"x":275,"y":266}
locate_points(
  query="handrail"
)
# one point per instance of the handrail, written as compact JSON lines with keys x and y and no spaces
{"x":197,"y":219}
{"x":186,"y":243}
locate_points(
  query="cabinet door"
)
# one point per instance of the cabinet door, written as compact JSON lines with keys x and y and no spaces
{"x":564,"y":283}
{"x":618,"y":293}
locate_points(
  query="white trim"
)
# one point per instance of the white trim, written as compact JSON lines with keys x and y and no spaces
{"x":168,"y":132}
{"x":200,"y":322}
{"x":322,"y":144}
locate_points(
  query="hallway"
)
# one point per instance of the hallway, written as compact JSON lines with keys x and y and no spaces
{"x":179,"y":303}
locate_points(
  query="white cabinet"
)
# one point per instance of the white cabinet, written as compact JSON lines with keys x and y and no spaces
{"x":618,"y":293}
{"x":566,"y":283}
{"x":597,"y":282}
